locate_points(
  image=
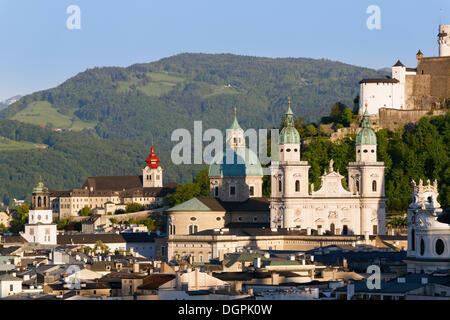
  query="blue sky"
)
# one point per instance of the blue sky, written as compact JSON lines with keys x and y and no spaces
{"x":37,"y":51}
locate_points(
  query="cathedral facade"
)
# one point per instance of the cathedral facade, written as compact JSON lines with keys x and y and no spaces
{"x":331,"y":209}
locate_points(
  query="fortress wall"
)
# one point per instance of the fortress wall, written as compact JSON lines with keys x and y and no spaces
{"x":392,"y":118}
{"x":439,"y":69}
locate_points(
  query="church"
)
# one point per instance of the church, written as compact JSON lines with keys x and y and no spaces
{"x":236,"y":200}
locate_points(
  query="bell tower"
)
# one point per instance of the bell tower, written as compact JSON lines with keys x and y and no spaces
{"x":152,"y":174}
{"x":366,"y":181}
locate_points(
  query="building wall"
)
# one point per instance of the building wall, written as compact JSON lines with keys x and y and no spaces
{"x":179,"y":222}
{"x":5,"y":288}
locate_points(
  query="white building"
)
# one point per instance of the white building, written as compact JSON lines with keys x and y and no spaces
{"x":428,"y":235}
{"x":360,"y":210}
{"x":405,"y":83}
{"x":40,"y":228}
{"x":9,"y":285}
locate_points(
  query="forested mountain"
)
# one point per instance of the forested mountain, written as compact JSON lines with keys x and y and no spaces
{"x":63,"y":159}
{"x":144,"y":103}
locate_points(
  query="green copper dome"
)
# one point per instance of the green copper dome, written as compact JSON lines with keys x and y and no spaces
{"x":366,"y":136}
{"x":40,"y":188}
{"x":289,"y":135}
{"x":242,"y":162}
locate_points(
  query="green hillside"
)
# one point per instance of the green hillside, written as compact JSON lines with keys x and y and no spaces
{"x":144,"y":103}
{"x":63,"y":159}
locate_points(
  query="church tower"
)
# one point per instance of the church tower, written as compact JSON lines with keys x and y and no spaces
{"x":40,"y":228}
{"x":289,"y":176}
{"x":366,"y":180}
{"x":235,"y":135}
{"x":152,"y":174}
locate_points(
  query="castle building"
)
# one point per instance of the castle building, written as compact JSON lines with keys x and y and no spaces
{"x":106,"y":194}
{"x":421,"y":88}
{"x":428,"y":231}
{"x":332,"y":209}
{"x":40,"y":228}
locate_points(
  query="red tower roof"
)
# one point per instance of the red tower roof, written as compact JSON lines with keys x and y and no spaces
{"x":152,"y":159}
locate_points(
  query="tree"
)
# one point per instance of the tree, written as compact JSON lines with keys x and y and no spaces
{"x":85,"y":212}
{"x":134,"y":207}
{"x":311,"y":130}
{"x":100,"y":246}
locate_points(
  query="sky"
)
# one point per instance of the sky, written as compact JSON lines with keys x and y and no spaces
{"x":38,"y":51}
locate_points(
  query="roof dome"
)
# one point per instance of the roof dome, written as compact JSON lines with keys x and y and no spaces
{"x":289,"y":135}
{"x":243,"y":162}
{"x":366,"y":136}
{"x":40,"y":188}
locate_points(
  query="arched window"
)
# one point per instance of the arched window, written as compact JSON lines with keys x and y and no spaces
{"x":297,"y":186}
{"x":357,"y":185}
{"x":216,"y":192}
{"x":440,"y":246}
{"x":280,"y":186}
{"x":345,"y":230}
{"x":374,"y":186}
{"x":332,"y":228}
{"x":39,"y":202}
{"x":413,"y":240}
{"x":45,"y":202}
{"x":422,"y":247}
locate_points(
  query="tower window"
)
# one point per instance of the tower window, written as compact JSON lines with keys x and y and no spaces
{"x":252,"y":191}
{"x":374,"y":186}
{"x":280,"y":186}
{"x":413,"y":240}
{"x":232,"y":190}
{"x":440,"y":246}
{"x":39,"y":201}
{"x":365,"y":151}
{"x":422,"y":247}
{"x":234,"y":140}
{"x":297,"y":186}
{"x":430,"y":199}
{"x":216,"y":191}
{"x":373,"y":151}
{"x":288,"y":150}
{"x":357,"y":185}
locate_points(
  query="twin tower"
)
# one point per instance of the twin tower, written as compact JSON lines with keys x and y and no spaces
{"x":332,"y":209}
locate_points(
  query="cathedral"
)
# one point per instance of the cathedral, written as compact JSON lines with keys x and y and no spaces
{"x":236,"y":191}
{"x":295,"y":204}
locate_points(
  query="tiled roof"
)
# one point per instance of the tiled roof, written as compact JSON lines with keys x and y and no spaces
{"x":105,"y":238}
{"x":213,"y":204}
{"x":154,"y":281}
{"x":381,"y":80}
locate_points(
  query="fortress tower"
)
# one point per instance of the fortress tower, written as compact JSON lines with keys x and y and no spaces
{"x":444,"y":40}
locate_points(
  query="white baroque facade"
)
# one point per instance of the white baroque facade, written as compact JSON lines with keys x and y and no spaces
{"x":331,"y":209}
{"x":428,"y":238}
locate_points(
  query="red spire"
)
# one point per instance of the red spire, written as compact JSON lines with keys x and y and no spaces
{"x":153,"y":160}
